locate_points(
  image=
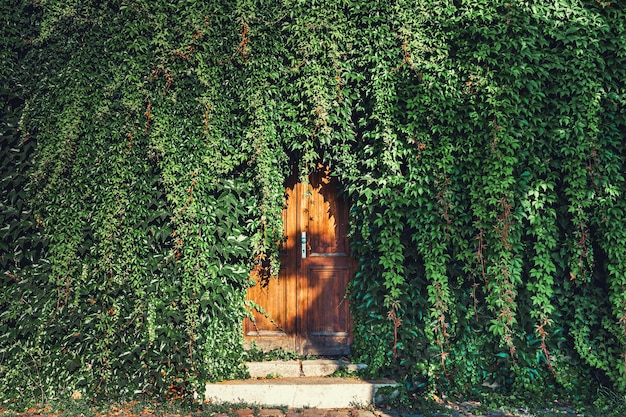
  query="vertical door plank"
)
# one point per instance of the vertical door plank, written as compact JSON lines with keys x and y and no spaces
{"x":277,"y":297}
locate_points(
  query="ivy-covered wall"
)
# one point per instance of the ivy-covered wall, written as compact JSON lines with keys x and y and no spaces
{"x":145,"y":145}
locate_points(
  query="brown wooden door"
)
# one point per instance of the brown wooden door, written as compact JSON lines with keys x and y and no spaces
{"x":306,"y":308}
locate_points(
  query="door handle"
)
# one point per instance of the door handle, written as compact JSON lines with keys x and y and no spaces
{"x":303,"y":242}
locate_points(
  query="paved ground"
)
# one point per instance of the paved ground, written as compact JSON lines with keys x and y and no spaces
{"x":460,"y":409}
{"x":316,"y":412}
{"x":310,"y":412}
{"x":453,"y":411}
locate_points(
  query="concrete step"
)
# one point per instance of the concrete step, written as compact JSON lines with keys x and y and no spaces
{"x":298,"y":368}
{"x":297,"y":392}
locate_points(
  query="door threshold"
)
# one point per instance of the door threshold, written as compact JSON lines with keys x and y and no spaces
{"x":301,"y":368}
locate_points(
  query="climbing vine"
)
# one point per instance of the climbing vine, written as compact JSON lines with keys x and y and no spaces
{"x":145,"y":145}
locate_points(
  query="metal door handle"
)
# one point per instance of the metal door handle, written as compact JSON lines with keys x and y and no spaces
{"x":303,"y":241}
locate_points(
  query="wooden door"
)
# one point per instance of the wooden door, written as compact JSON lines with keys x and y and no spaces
{"x":306,"y":308}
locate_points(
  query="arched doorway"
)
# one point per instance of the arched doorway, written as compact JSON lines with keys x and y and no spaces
{"x":307,"y":306}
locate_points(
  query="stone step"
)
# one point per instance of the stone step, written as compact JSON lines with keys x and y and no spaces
{"x":298,"y":368}
{"x":297,"y":392}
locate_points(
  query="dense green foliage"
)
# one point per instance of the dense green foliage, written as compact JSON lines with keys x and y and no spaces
{"x":481,"y":144}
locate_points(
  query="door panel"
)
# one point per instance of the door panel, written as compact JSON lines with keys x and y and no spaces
{"x":325,"y":218}
{"x":275,"y":330}
{"x":307,"y":308}
{"x":325,"y":288}
{"x":328,"y":321}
